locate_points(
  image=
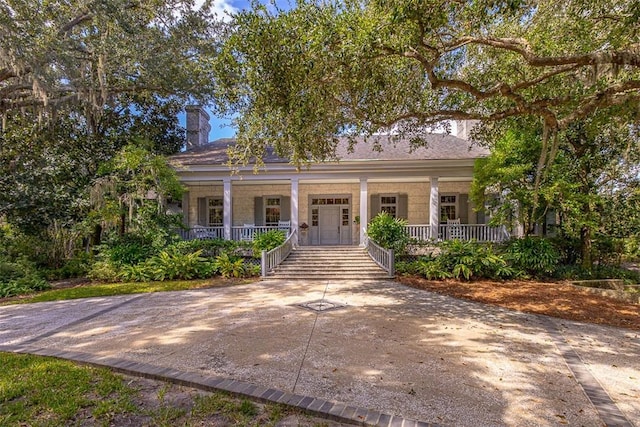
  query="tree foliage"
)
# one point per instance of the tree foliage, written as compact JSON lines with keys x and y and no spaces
{"x":132,"y":189}
{"x":591,"y":184}
{"x":91,"y":51}
{"x":300,"y":77}
{"x":47,"y":169}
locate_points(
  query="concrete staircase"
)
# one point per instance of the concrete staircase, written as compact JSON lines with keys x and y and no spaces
{"x":328,"y":263}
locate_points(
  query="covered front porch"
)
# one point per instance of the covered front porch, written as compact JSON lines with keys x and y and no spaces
{"x":330,"y":211}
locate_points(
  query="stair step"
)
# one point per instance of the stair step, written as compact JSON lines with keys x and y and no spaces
{"x":329,"y":276}
{"x":328,"y":263}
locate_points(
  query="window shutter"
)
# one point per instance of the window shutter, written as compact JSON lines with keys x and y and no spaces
{"x":185,"y":208}
{"x":374,"y":206}
{"x":403,"y":206}
{"x":258,"y":210}
{"x":481,"y":217}
{"x":285,"y":208}
{"x":463,"y":207}
{"x":202,"y":211}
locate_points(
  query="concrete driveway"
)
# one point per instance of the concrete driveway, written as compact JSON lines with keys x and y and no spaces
{"x":381,"y":345}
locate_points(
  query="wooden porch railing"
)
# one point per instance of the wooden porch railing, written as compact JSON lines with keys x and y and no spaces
{"x":478,"y":232}
{"x":274,"y":257}
{"x":237,"y":233}
{"x":249,"y":232}
{"x":383,"y":257}
{"x":203,"y":233}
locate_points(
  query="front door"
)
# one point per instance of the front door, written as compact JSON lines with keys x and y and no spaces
{"x":329,"y":225}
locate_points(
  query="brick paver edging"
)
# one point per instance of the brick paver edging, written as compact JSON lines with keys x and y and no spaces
{"x":609,"y":412}
{"x":327,"y":409}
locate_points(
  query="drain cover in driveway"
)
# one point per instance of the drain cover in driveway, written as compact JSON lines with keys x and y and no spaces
{"x":321,"y":305}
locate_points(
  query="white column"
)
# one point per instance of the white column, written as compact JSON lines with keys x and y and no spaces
{"x":364,"y":207}
{"x":294,"y":207}
{"x":226,"y":208}
{"x":434,"y":212}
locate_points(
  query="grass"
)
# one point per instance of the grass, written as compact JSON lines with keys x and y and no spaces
{"x":48,"y":392}
{"x":111,"y":289}
{"x":43,"y":391}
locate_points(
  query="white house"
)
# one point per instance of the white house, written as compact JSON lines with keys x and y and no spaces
{"x":330,"y":203}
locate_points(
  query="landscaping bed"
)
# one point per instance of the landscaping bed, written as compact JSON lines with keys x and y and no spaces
{"x":553,"y":299}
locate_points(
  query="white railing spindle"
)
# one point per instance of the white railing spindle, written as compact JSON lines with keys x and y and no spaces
{"x":274,"y":257}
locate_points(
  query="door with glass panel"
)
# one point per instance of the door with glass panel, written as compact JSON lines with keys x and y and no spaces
{"x":330,"y":220}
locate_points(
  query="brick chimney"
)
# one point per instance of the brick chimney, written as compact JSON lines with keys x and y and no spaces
{"x":198,"y":126}
{"x":464,"y":128}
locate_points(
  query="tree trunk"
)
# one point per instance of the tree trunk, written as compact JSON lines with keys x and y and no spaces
{"x":585,"y":247}
{"x":123,"y":220}
{"x":96,"y":236}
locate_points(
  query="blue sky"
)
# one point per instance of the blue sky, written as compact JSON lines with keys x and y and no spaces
{"x":220,"y":127}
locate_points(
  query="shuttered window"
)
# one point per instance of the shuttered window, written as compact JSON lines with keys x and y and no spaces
{"x":396,"y":205}
{"x":269,"y":210}
{"x":215,"y":212}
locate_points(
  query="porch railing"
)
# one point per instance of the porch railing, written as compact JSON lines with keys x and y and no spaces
{"x":274,"y":257}
{"x":419,"y":232}
{"x":237,"y":233}
{"x":202,"y":233}
{"x":249,"y":232}
{"x":383,"y":257}
{"x":477,"y":232}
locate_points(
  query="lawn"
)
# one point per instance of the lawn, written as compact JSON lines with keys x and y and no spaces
{"x":43,"y":391}
{"x":110,"y":289}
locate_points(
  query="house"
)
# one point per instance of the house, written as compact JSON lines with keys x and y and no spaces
{"x":331,"y":202}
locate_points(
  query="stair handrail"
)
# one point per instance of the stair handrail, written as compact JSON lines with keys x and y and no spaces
{"x":383,"y":257}
{"x":273,"y":258}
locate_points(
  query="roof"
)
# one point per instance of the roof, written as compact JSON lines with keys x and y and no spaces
{"x":439,"y":147}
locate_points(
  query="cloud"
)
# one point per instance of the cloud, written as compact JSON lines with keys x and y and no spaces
{"x":222,"y":8}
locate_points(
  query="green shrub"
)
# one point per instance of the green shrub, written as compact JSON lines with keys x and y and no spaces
{"x":576,"y":272}
{"x":252,"y":270}
{"x":15,"y":245}
{"x":129,"y":253}
{"x":78,"y":266}
{"x":466,"y":260}
{"x":268,"y":241}
{"x":175,"y":265}
{"x":135,"y":273}
{"x":568,"y":249}
{"x":210,"y":247}
{"x":230,"y":266}
{"x":104,"y":270}
{"x":537,"y":256}
{"x":20,"y":277}
{"x":408,"y":267}
{"x":389,"y":232}
{"x":434,"y":270}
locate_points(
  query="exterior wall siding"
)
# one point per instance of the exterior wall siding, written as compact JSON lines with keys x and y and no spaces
{"x":243,"y":198}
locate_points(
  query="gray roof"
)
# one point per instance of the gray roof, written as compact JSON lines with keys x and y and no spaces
{"x":439,"y":147}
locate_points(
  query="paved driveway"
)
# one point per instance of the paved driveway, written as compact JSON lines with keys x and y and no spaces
{"x":389,"y":348}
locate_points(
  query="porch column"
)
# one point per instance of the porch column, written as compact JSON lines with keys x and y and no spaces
{"x":364,"y":207}
{"x":294,"y":207}
{"x":434,"y":214}
{"x":226,"y":208}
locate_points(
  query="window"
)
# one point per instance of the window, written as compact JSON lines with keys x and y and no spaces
{"x":448,"y":208}
{"x":345,"y":217}
{"x":272,"y":211}
{"x":314,"y":217}
{"x":215,"y":207}
{"x":389,"y":204}
{"x":330,"y":201}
